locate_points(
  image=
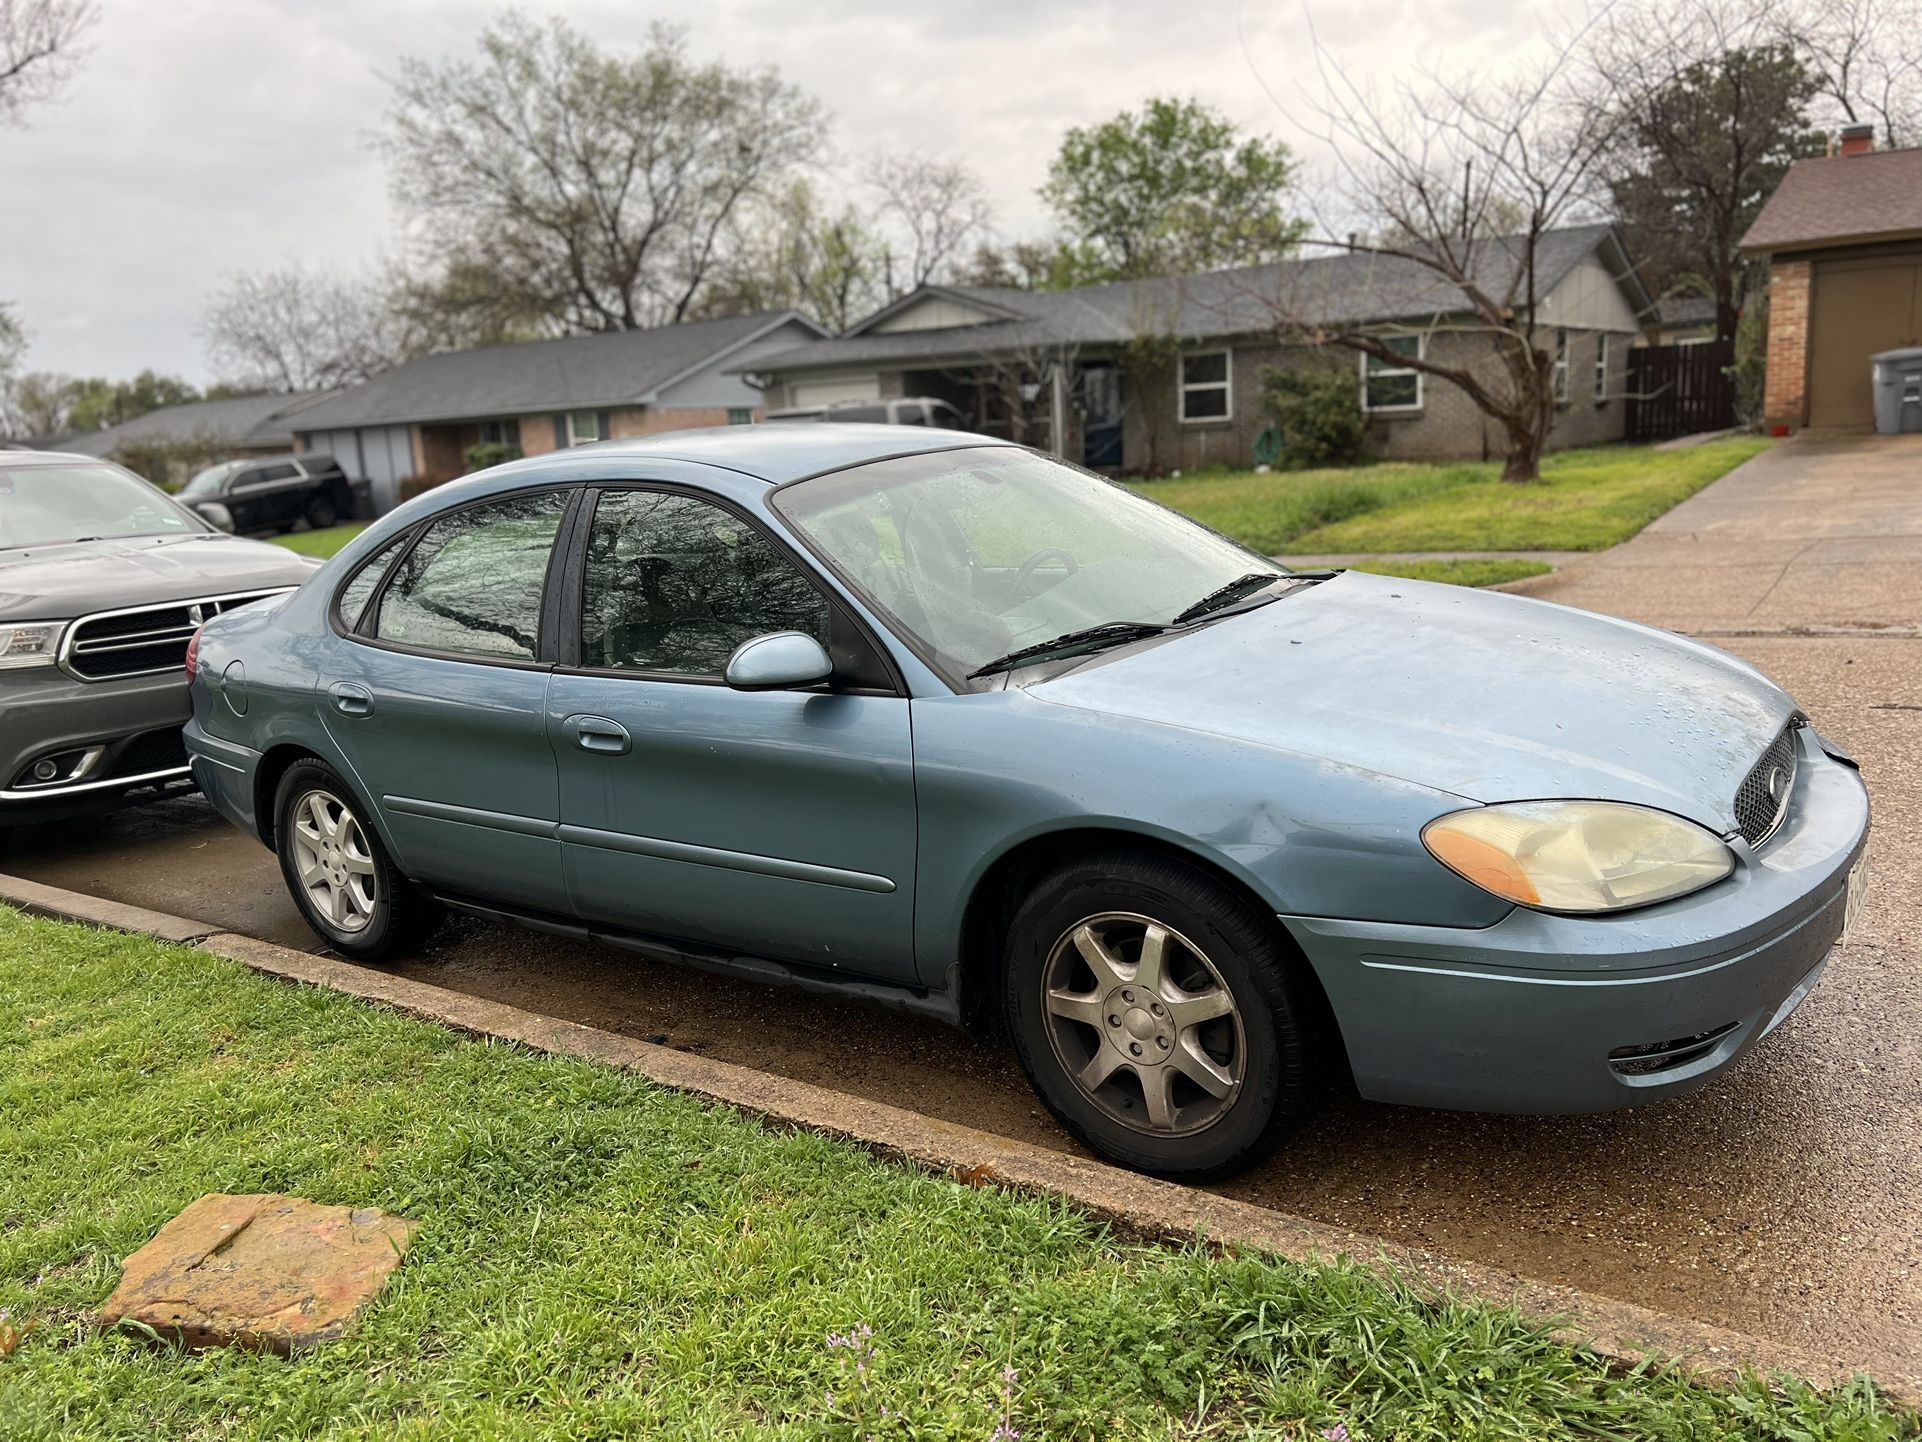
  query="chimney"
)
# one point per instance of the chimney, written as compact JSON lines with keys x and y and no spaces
{"x":1857,"y":140}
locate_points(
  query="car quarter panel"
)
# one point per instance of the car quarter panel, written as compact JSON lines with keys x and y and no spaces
{"x":996,"y":769}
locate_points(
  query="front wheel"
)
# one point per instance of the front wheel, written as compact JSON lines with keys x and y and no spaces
{"x":340,"y":875}
{"x":321,"y":513}
{"x":1157,"y":1016}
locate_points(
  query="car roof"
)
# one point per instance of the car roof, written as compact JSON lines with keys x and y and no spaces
{"x":778,"y":454}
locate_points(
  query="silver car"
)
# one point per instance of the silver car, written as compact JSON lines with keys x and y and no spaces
{"x":103,"y":580}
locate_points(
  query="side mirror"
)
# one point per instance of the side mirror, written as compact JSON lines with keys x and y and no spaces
{"x":214,"y":514}
{"x":779,"y":661}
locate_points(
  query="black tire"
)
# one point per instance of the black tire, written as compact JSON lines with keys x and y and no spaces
{"x":322,"y":513}
{"x":1220,"y":946}
{"x":400,"y":916}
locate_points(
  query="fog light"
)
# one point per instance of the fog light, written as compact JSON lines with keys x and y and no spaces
{"x":45,"y":770}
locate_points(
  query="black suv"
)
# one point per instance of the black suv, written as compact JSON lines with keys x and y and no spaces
{"x":273,"y":493}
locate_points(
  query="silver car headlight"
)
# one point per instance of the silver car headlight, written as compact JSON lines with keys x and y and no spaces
{"x":30,"y":643}
{"x":1578,"y":856}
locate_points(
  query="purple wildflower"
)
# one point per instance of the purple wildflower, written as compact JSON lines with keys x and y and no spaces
{"x":1336,"y":1433}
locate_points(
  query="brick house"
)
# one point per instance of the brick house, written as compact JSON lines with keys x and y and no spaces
{"x":412,"y":426}
{"x":1165,"y":374}
{"x":1843,"y":235}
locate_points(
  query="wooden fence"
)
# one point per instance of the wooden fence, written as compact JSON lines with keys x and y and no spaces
{"x":1678,"y":390}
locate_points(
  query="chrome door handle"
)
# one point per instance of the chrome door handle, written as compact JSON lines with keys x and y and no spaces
{"x":597,"y":733}
{"x":351,"y":700}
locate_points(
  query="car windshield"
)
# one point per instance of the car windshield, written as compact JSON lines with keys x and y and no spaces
{"x":208,"y":482}
{"x":44,"y":505}
{"x":978,"y":553}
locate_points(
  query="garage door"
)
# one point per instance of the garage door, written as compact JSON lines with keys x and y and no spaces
{"x":1860,"y":306}
{"x":841,"y":388}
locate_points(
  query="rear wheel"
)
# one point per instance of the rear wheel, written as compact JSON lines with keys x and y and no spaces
{"x":321,"y":513}
{"x":340,"y":875}
{"x":1157,"y":1016}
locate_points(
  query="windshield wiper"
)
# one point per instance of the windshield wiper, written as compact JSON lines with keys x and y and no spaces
{"x":1241,"y":586}
{"x":1108,"y":633}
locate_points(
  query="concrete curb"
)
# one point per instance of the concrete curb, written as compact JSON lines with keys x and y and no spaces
{"x":1622,"y":1332}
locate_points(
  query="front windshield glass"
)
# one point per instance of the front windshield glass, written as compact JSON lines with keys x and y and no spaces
{"x":208,"y":482}
{"x":45,"y":505}
{"x":976,"y":553}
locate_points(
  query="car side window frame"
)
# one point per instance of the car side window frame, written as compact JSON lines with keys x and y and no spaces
{"x":845,"y":626}
{"x":543,"y":658}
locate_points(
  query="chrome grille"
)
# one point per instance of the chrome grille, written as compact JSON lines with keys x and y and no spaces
{"x":143,"y":640}
{"x":1762,"y":800}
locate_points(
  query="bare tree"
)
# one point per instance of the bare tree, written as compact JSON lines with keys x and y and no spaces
{"x":40,"y":47}
{"x":295,"y":330}
{"x":1460,"y":179}
{"x":600,"y":187}
{"x":940,"y":207}
{"x":1866,"y":56}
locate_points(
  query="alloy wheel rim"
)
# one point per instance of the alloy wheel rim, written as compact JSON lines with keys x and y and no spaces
{"x":333,"y":861}
{"x":1144,"y":1024}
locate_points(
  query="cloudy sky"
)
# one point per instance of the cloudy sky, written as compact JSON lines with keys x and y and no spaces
{"x":206,"y":136}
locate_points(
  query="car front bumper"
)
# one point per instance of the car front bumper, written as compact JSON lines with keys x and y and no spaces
{"x":1542,"y":1013}
{"x":127,"y":733}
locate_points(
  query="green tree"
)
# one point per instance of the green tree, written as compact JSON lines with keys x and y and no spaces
{"x":1174,"y":186}
{"x":794,"y":252}
{"x":96,"y":403}
{"x":1703,"y":132}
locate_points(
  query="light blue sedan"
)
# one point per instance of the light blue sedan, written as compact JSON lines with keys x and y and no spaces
{"x":949,"y":724}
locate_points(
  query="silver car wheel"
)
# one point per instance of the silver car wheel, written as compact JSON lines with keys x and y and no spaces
{"x":332,"y":859}
{"x":1143,"y":1023}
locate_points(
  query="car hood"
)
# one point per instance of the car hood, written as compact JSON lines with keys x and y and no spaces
{"x":54,"y":583}
{"x":1489,"y":696}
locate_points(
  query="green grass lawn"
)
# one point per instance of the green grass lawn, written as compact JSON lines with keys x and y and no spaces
{"x":323,"y":542}
{"x":1476,"y":572}
{"x":1587,"y":500}
{"x":601,"y":1258}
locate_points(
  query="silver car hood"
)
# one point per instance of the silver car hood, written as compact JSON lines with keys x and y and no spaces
{"x":55,"y":583}
{"x":1489,"y":696}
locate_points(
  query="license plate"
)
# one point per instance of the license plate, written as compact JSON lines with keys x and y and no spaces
{"x":1858,"y":887}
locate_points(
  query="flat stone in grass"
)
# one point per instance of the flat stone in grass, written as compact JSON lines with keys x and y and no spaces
{"x":269,"y":1272}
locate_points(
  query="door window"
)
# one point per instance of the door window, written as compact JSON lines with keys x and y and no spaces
{"x":473,"y":584}
{"x":674,"y":584}
{"x":267,"y":474}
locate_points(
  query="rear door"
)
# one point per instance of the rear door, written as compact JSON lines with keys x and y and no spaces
{"x":439,"y":705}
{"x":776,"y":824}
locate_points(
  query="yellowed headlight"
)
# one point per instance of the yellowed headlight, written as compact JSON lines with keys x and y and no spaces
{"x":1580,"y":856}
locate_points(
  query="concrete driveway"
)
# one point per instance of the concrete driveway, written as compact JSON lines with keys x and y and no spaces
{"x":1785,"y":1200}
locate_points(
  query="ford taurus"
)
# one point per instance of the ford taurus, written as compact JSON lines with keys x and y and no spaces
{"x":937,"y":720}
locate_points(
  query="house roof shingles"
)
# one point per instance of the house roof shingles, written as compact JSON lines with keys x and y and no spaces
{"x":1842,"y":200}
{"x":255,"y":421}
{"x":1351,"y":288}
{"x":576,"y":373}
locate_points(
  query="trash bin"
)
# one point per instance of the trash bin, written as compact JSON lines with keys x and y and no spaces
{"x":1897,"y":378}
{"x":363,"y":490}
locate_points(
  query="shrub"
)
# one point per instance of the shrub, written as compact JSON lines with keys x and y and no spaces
{"x":1319,"y":414}
{"x":411,"y":486}
{"x":483,"y":454}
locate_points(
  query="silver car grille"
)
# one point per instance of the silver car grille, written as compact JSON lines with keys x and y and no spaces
{"x":143,"y":640}
{"x":1762,"y":800}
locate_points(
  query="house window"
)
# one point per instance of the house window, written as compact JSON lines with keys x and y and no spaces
{"x":740,"y":416}
{"x":1390,"y":387}
{"x":1601,"y":369}
{"x":1205,"y":384}
{"x":501,"y":433}
{"x":1561,"y":367}
{"x":583,"y":428}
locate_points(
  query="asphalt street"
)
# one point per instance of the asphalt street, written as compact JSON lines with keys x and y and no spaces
{"x":1784,"y":1200}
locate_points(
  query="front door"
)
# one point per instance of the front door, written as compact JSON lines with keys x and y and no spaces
{"x":440,"y":709}
{"x":1101,"y":429}
{"x":773,"y":824}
